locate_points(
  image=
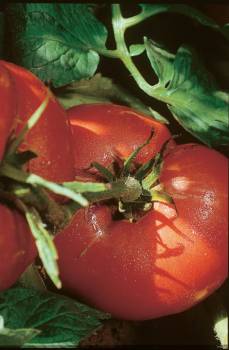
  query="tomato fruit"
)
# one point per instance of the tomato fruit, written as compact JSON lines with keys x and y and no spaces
{"x":170,"y":259}
{"x":7,"y":108}
{"x":103,"y":131}
{"x":16,"y":246}
{"x":21,"y":93}
{"x":49,"y":138}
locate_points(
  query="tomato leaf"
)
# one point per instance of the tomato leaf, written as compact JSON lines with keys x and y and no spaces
{"x":128,"y":162}
{"x":136,"y":49}
{"x":44,"y":319}
{"x":45,"y":246}
{"x":191,"y":93}
{"x":57,"y":42}
{"x":15,"y":337}
{"x":103,"y":171}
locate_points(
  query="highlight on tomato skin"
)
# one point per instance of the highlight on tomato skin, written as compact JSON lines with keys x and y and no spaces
{"x":108,"y":130}
{"x":172,"y":257}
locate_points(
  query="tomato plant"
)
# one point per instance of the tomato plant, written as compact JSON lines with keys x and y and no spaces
{"x":49,"y":139}
{"x":140,"y":223}
{"x":174,"y":255}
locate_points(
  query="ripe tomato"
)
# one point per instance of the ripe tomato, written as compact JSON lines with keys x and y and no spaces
{"x":103,"y":131}
{"x":165,"y":262}
{"x":7,"y":107}
{"x":49,"y":138}
{"x":20,"y":95}
{"x":16,"y":246}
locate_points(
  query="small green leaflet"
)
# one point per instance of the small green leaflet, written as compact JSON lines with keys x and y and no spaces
{"x":133,"y":155}
{"x":103,"y":171}
{"x":136,"y":49}
{"x":15,"y":337}
{"x":191,"y":94}
{"x":44,"y":320}
{"x":44,"y":242}
{"x":56,"y":41}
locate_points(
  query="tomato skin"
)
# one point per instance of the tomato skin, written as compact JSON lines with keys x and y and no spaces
{"x":50,"y":137}
{"x":7,"y":107}
{"x":163,"y":264}
{"x":98,"y":127}
{"x":17,"y":246}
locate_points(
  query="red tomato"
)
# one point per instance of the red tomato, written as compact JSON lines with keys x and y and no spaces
{"x":7,"y":107}
{"x":16,"y":246}
{"x":20,"y":95}
{"x":49,"y":138}
{"x":102,"y":131}
{"x":165,"y":262}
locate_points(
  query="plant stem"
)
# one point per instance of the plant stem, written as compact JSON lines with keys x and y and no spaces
{"x":119,"y":26}
{"x":33,"y":179}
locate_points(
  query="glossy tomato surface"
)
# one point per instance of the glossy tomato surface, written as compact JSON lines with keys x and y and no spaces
{"x":168,"y":260}
{"x":17,"y":246}
{"x":49,"y":138}
{"x":103,"y":131}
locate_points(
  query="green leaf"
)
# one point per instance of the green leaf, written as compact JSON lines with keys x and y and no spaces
{"x":149,"y":10}
{"x":20,"y":158}
{"x":161,"y":61}
{"x":144,"y":169}
{"x":56,"y":41}
{"x":15,"y":337}
{"x":191,"y":93}
{"x":159,"y":196}
{"x":136,"y":49}
{"x":45,"y":246}
{"x":133,"y":155}
{"x":60,"y":321}
{"x":103,"y":171}
{"x":154,"y":174}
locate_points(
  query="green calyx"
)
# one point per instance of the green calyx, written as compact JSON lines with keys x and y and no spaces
{"x":131,"y":186}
